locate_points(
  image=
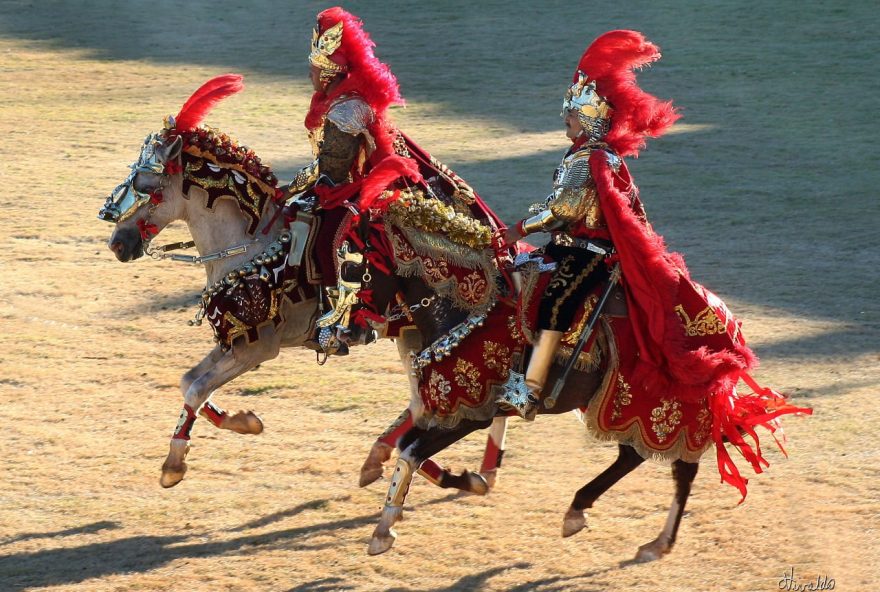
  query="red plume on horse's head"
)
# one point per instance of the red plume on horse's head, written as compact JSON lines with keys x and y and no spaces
{"x":205,"y":98}
{"x":611,"y":60}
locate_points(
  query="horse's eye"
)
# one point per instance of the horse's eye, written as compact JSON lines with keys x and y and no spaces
{"x":145,"y":183}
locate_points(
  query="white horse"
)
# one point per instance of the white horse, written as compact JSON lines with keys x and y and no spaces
{"x":151,"y":198}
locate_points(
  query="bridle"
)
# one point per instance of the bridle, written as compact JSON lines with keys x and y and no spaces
{"x":125,"y":200}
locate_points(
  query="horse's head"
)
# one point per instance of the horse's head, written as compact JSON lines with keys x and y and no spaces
{"x":148,"y":200}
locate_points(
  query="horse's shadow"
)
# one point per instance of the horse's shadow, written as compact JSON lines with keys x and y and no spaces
{"x":54,"y":567}
{"x":85,"y":529}
{"x":586,"y":582}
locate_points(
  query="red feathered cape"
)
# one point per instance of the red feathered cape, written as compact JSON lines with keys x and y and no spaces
{"x":689,"y":344}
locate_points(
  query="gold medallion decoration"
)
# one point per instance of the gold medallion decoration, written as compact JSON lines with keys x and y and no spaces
{"x":665,"y":418}
{"x":467,"y":376}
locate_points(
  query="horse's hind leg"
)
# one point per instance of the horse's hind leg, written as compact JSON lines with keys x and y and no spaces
{"x":627,"y":460}
{"x":684,"y":474}
{"x":228,"y":366}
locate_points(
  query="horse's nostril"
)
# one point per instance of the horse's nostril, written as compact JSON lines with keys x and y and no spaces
{"x":117,"y":247}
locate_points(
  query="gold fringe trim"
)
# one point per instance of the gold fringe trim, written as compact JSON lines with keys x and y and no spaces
{"x":632,"y":434}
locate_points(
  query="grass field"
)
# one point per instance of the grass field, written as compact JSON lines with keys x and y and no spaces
{"x":768,"y":187}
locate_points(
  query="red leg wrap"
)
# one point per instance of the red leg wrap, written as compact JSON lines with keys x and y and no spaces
{"x":492,"y":456}
{"x":394,"y":434}
{"x":214,"y":414}
{"x":431,"y":471}
{"x":184,"y":424}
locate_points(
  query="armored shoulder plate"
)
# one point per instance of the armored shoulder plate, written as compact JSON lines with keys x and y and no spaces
{"x":614,"y":161}
{"x":351,"y":115}
{"x":574,"y":171}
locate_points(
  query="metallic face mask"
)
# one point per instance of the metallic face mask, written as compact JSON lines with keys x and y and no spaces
{"x":593,"y":111}
{"x":323,"y":46}
{"x":125,"y":199}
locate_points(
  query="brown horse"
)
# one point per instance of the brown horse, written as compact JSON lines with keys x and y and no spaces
{"x":418,"y":444}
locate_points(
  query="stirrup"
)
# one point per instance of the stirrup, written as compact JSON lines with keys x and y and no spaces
{"x":516,"y":395}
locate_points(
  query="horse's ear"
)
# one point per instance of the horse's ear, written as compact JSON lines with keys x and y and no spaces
{"x":172,"y":150}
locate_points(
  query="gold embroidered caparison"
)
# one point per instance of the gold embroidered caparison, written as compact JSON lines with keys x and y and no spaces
{"x":622,"y":398}
{"x":706,"y":322}
{"x":665,"y":418}
{"x":467,"y":376}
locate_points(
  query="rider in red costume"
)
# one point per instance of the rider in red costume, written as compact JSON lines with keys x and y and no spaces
{"x":689,"y":352}
{"x":351,"y":134}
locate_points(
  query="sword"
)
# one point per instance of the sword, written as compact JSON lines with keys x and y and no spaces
{"x":550,"y":401}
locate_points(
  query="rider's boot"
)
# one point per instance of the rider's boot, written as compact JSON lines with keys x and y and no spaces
{"x":539,"y":368}
{"x":523,"y":392}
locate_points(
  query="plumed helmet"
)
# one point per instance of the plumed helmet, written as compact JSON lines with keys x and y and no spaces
{"x":609,"y":103}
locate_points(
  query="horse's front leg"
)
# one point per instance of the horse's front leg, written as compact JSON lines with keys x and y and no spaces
{"x":418,"y":445}
{"x":241,"y":422}
{"x":219,"y":371}
{"x":382,"y":448}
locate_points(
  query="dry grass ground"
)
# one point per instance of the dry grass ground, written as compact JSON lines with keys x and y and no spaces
{"x":770,"y":191}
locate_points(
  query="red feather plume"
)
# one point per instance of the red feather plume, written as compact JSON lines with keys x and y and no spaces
{"x":611,"y":60}
{"x":205,"y":98}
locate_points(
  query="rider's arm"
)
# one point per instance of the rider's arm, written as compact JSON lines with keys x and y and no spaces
{"x":337,"y":153}
{"x":342,"y":136}
{"x":572,"y":200}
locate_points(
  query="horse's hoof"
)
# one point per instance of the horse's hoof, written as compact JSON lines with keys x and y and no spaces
{"x":172,"y":474}
{"x":490,"y":477}
{"x":477,"y":484}
{"x":573,"y":522}
{"x":372,"y":468}
{"x":652,"y":551}
{"x":381,"y":542}
{"x":243,"y":422}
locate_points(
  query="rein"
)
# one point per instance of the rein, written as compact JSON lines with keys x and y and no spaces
{"x":159,"y":253}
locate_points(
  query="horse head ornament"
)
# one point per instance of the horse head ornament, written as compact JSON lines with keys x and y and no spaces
{"x":147,"y":176}
{"x":138,"y":206}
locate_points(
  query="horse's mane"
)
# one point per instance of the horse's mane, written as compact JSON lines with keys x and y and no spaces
{"x":212,"y":144}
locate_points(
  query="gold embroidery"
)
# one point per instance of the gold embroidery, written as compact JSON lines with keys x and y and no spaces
{"x":573,"y":334}
{"x":704,"y":421}
{"x":437,"y":271}
{"x":472,"y":287}
{"x":665,"y":418}
{"x":468,"y":377}
{"x":238,"y":328}
{"x":622,"y":398}
{"x":497,"y":356}
{"x":438,"y":391}
{"x":705,"y":323}
{"x":571,"y":288}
